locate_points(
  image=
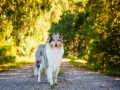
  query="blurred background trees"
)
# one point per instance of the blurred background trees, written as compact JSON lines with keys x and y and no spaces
{"x":72,"y":26}
{"x":91,"y":29}
{"x":104,"y":24}
{"x":24,"y":24}
{"x":92,"y":32}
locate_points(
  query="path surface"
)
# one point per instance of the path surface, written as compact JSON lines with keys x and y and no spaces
{"x":73,"y":78}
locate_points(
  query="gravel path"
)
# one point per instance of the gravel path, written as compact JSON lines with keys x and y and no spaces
{"x":73,"y":78}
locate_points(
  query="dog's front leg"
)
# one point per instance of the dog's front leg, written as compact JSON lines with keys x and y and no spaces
{"x":49,"y":76}
{"x":55,"y":76}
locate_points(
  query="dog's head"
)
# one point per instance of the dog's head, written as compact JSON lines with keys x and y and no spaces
{"x":55,"y":40}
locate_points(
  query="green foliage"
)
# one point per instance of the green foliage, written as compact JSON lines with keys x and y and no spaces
{"x":89,"y":66}
{"x":24,"y":25}
{"x":20,"y":61}
{"x":105,"y":43}
{"x":5,"y":55}
{"x":71,"y":27}
{"x":91,"y":29}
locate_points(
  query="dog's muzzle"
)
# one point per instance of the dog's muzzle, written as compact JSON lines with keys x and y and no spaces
{"x":55,"y":45}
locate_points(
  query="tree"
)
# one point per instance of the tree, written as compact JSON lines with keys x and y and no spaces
{"x":71,"y":25}
{"x":24,"y":24}
{"x":104,"y":24}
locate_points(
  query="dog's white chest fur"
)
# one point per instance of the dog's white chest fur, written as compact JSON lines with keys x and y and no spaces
{"x":54,"y":57}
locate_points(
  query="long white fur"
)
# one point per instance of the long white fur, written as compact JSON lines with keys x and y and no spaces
{"x":54,"y":56}
{"x":54,"y":59}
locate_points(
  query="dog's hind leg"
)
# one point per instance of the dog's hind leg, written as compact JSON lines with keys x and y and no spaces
{"x":39,"y":68}
{"x":35,"y":71}
{"x":39,"y":75}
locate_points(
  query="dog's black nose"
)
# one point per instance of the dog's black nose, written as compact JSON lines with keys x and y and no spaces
{"x":55,"y":45}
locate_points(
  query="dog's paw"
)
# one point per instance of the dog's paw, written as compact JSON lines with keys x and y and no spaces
{"x":55,"y":83}
{"x":38,"y":82}
{"x":52,"y":86}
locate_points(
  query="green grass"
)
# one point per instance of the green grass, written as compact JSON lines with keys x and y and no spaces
{"x":110,"y":72}
{"x":52,"y":86}
{"x":19,"y":62}
{"x":60,"y":73}
{"x":39,"y":89}
{"x":32,"y":75}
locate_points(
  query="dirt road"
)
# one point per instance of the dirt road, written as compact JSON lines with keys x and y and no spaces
{"x":73,"y":78}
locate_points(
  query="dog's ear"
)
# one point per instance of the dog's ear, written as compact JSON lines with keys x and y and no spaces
{"x":61,"y":35}
{"x":50,"y":35}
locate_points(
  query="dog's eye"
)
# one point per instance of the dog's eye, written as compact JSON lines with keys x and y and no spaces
{"x":58,"y":40}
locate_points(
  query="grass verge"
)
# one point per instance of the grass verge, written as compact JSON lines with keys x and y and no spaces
{"x":60,"y":73}
{"x":19,"y":62}
{"x":110,"y":72}
{"x":52,"y":86}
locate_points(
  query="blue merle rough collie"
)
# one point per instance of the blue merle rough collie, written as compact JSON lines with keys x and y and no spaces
{"x":49,"y":57}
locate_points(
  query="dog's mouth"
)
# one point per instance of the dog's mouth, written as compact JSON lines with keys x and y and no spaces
{"x":56,"y":45}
